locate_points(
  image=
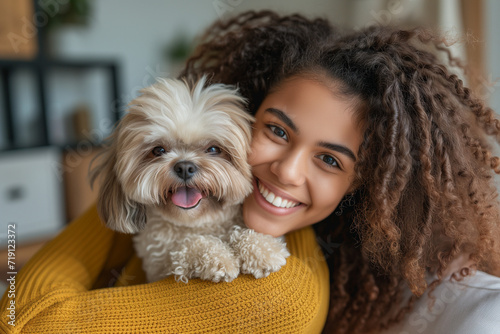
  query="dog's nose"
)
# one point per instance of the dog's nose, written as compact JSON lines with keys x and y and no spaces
{"x":185,"y":169}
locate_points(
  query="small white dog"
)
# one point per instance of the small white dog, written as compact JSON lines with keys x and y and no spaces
{"x":176,"y":171}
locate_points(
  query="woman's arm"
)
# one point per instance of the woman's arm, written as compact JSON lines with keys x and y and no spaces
{"x":54,"y":291}
{"x":68,"y":265}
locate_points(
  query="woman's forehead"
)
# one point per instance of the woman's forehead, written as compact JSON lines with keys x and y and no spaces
{"x":314,"y":111}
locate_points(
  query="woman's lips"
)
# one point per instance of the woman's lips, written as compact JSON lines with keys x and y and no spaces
{"x":272,"y":202}
{"x":275,"y":199}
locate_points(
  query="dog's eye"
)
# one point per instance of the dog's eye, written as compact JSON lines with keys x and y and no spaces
{"x":213,"y":150}
{"x":158,"y":151}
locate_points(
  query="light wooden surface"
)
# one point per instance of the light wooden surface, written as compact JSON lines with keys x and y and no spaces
{"x":78,"y":194}
{"x":473,"y":19}
{"x":18,"y":33}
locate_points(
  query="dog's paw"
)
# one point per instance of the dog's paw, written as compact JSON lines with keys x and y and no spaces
{"x":206,"y":258}
{"x":223,"y":267}
{"x":260,"y":254}
{"x":181,"y":271}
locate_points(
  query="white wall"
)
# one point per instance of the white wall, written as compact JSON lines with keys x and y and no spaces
{"x":135,"y":33}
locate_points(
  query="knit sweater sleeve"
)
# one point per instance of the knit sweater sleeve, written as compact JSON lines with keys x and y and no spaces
{"x":55,"y":292}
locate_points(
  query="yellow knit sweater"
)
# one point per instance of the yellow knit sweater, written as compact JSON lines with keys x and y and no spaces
{"x":87,"y":280}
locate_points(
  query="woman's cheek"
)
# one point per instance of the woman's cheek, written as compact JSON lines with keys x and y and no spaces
{"x":261,"y":146}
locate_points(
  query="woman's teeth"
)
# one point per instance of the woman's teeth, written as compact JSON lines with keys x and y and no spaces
{"x":276,"y":200}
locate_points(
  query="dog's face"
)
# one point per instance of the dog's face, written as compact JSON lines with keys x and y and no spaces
{"x":180,"y":151}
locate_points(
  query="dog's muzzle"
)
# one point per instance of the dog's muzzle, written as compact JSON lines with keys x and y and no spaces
{"x":185,"y":169}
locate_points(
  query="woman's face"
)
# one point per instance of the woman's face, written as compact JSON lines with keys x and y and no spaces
{"x":304,"y":147}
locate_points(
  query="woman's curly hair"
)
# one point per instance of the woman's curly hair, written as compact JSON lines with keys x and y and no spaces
{"x":425,"y":190}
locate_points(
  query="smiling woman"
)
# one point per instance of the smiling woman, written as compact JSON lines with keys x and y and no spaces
{"x":372,"y":123}
{"x":302,"y":168}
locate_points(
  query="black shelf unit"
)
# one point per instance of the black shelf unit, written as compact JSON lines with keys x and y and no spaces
{"x":40,"y":65}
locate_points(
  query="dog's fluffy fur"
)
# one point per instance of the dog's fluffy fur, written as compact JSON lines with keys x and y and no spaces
{"x":176,"y":171}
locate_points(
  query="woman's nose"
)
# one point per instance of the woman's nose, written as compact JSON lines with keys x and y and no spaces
{"x":291,"y":169}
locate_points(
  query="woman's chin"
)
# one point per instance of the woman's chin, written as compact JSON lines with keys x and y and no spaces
{"x":260,"y":223}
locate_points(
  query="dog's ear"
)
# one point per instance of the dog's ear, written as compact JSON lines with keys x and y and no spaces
{"x":119,"y":212}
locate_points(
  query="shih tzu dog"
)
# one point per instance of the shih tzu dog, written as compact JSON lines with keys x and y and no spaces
{"x":176,"y":172}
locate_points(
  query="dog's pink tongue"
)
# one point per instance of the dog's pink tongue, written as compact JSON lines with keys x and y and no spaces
{"x":186,"y":197}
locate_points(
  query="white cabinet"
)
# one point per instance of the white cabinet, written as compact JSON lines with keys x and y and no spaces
{"x":31,"y":194}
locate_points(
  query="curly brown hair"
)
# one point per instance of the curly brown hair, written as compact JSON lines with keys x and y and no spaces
{"x":425,"y":191}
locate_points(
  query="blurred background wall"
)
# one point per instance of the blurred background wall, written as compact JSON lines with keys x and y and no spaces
{"x":98,"y":54}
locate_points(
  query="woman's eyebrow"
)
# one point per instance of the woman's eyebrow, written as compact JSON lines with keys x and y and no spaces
{"x":284,"y":118}
{"x":338,"y":148}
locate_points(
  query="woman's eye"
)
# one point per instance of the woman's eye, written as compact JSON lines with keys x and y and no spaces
{"x":213,"y":150}
{"x":329,"y":160}
{"x":158,"y":151}
{"x":279,"y":132}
